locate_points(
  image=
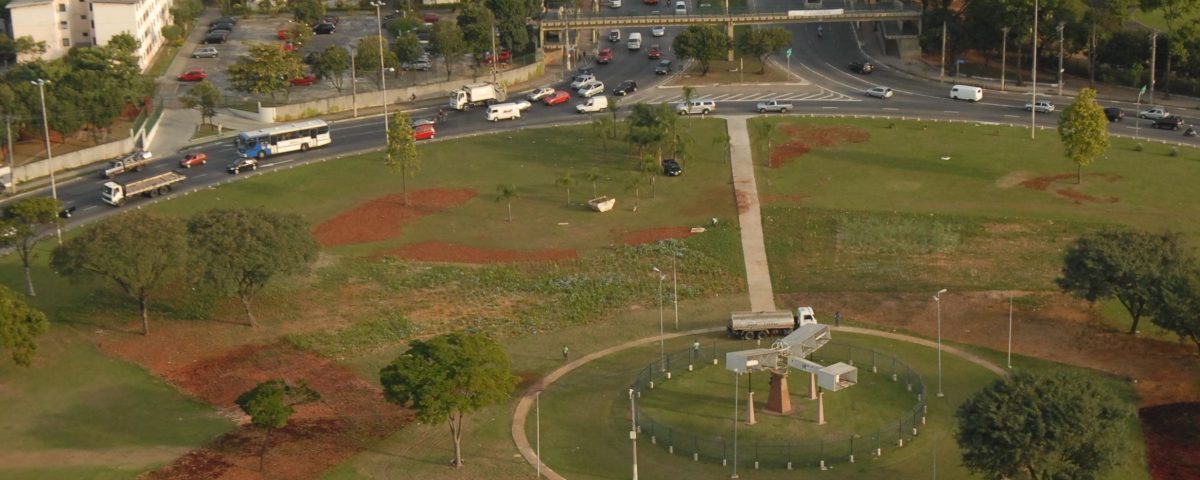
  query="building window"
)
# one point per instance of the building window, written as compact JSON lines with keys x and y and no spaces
{"x":83,"y":17}
{"x":63,"y":25}
{"x":62,"y":7}
{"x":66,"y":42}
{"x":86,"y":33}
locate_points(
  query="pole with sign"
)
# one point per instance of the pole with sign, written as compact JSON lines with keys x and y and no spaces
{"x":788,"y":54}
{"x":1136,"y":125}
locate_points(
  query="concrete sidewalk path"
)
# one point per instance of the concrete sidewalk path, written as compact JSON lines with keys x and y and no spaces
{"x":754,"y":251}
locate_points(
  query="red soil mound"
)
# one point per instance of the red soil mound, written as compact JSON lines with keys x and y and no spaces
{"x":655,"y":234}
{"x":1041,"y":184}
{"x":383,"y":218}
{"x":804,"y":138}
{"x":455,"y":253}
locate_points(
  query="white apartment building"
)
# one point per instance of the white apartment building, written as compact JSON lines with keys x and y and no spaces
{"x":63,"y":24}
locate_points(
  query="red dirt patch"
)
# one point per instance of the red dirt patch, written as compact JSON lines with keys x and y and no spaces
{"x":384,"y":217}
{"x":655,"y":234}
{"x":455,"y":253}
{"x":1041,"y":184}
{"x":1172,"y":433}
{"x":804,"y":138}
{"x":1081,"y":198}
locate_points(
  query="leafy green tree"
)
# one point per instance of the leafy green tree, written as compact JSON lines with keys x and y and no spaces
{"x":366,"y":59}
{"x":266,"y":70}
{"x":507,"y":193}
{"x":761,"y":43}
{"x":1045,"y":426}
{"x":702,"y":43}
{"x":649,"y":166}
{"x":448,"y":42}
{"x":511,"y":18}
{"x":646,"y":128}
{"x":203,"y":97}
{"x":308,"y":12}
{"x":1176,"y":304}
{"x":447,"y":377}
{"x":594,"y":176}
{"x":1177,"y":14}
{"x":239,"y":251}
{"x":137,"y":252}
{"x":25,"y":222}
{"x":299,"y":33}
{"x":635,"y":182}
{"x":477,"y":24}
{"x":184,"y":12}
{"x":1083,"y":128}
{"x":1122,"y":264}
{"x":402,"y":156}
{"x":270,"y":404}
{"x":1104,"y":18}
{"x":332,"y":64}
{"x":20,"y":325}
{"x":21,"y":46}
{"x":566,"y":181}
{"x":407,"y":47}
{"x":173,"y":33}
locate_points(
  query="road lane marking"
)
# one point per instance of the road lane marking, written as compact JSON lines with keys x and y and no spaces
{"x":949,"y":111}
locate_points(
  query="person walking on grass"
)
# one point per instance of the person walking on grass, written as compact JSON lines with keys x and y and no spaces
{"x":566,"y":353}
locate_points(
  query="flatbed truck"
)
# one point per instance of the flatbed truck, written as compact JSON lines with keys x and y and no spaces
{"x":115,"y":193}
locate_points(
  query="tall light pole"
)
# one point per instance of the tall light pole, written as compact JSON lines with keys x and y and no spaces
{"x":1033,"y":91}
{"x":633,"y":431}
{"x":937,"y":297}
{"x":495,"y":54}
{"x":1010,"y":308}
{"x":662,"y":351}
{"x":1153,"y":58}
{"x":1004,"y":56}
{"x":1060,"y":28}
{"x":382,"y":67}
{"x":353,"y":83}
{"x":737,"y":376}
{"x":942,"y":70}
{"x":41,"y":84}
{"x":537,"y":400}
{"x":675,"y":289}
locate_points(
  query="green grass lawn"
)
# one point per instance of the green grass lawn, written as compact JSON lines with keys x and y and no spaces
{"x":1154,"y":19}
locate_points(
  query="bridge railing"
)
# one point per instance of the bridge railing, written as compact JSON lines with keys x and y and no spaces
{"x":715,"y":8}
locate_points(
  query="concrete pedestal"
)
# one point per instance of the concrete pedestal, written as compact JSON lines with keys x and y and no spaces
{"x":779,"y":401}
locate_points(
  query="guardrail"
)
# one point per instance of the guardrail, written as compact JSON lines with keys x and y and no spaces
{"x":735,"y":18}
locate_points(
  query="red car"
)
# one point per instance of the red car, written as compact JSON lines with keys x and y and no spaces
{"x":193,"y":75}
{"x":559,"y":96}
{"x":282,"y":34}
{"x":288,"y":47}
{"x":304,"y":81}
{"x":505,"y":56}
{"x":194,"y":159}
{"x":430,"y":17}
{"x":604,"y":56}
{"x":424,"y":132}
{"x":655,"y":53}
{"x":650,"y":2}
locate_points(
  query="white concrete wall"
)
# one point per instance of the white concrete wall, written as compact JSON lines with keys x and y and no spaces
{"x":76,"y":159}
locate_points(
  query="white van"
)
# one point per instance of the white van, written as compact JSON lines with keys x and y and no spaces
{"x":594,"y":104}
{"x":635,"y":41}
{"x":614,"y":3}
{"x":680,"y":8}
{"x":966,"y":92}
{"x":503,"y":111}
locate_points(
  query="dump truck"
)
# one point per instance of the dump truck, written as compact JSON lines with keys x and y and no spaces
{"x":133,"y":162}
{"x":115,"y":193}
{"x":476,"y":94}
{"x":761,"y":324}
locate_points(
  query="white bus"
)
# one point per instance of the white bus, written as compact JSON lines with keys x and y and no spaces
{"x":282,"y":139}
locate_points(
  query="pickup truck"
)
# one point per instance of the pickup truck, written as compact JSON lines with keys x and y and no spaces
{"x":773,"y":106}
{"x":1154,"y":113}
{"x":133,"y":162}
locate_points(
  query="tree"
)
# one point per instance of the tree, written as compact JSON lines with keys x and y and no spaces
{"x":702,"y":43}
{"x":447,"y":377}
{"x":762,"y":130}
{"x":1083,"y":128}
{"x":477,"y":23}
{"x":593,"y":176}
{"x":173,"y":33}
{"x":203,"y":97}
{"x":407,"y":47}
{"x":635,"y":182}
{"x":1177,"y":15}
{"x":332,"y":64}
{"x":138,"y":252}
{"x":308,"y":12}
{"x":1176,"y":304}
{"x":507,"y":193}
{"x":448,"y":42}
{"x":603,"y":127}
{"x":183,"y":12}
{"x":646,"y":128}
{"x":25,"y":222}
{"x":270,"y":404}
{"x":511,"y":16}
{"x":1122,"y":264}
{"x":20,"y":325}
{"x":566,"y":181}
{"x":761,"y":43}
{"x":268,"y":244}
{"x":649,"y":166}
{"x":267,"y":69}
{"x":1045,"y":426}
{"x":299,"y":33}
{"x":402,"y":154}
{"x":366,"y":60}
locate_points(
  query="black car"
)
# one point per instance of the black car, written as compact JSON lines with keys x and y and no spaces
{"x":625,"y":88}
{"x":671,"y":168}
{"x":1169,"y":122}
{"x":585,"y":71}
{"x":312,"y":58}
{"x":216,"y":37}
{"x":67,"y":211}
{"x":220,"y":26}
{"x":229,"y":20}
{"x":243,"y":164}
{"x":324,"y":28}
{"x":862,"y":67}
{"x":663,"y":68}
{"x":1114,"y":114}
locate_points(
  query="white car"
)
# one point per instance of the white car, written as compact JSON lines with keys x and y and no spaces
{"x":582,"y":80}
{"x":1041,"y":106}
{"x":658,"y":31}
{"x":880,"y":92}
{"x":1154,"y":113}
{"x":523,"y":105}
{"x":614,"y":3}
{"x":540,"y":93}
{"x":591,"y":89}
{"x":680,"y":7}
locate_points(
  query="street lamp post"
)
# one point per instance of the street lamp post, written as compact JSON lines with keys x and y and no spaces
{"x":382,"y":67}
{"x":633,"y":431}
{"x":662,"y":352}
{"x":41,"y":84}
{"x":1004,"y":56}
{"x":1060,"y":28}
{"x":353,"y":83}
{"x":937,"y":297}
{"x":495,"y":54}
{"x":1153,"y":58}
{"x":538,"y":425}
{"x":675,"y":290}
{"x":737,"y":376}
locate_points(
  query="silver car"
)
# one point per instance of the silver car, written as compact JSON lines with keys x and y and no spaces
{"x":592,"y":89}
{"x":205,"y":52}
{"x":539,"y":94}
{"x":880,"y":92}
{"x":658,"y":31}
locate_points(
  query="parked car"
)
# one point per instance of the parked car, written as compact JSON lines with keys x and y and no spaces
{"x":663,"y":67}
{"x":216,"y":37}
{"x":312,"y":58}
{"x":605,"y":55}
{"x":424,"y":132}
{"x":880,"y":92}
{"x":1170,"y":122}
{"x":658,"y":31}
{"x":304,"y":81}
{"x":559,"y":96}
{"x":655,"y":52}
{"x":703,"y":107}
{"x":240,"y":164}
{"x":226,"y":19}
{"x":1114,"y":114}
{"x":539,"y":93}
{"x":591,"y":89}
{"x":324,"y":28}
{"x":625,"y":88}
{"x":504,"y":57}
{"x":205,"y":52}
{"x":288,"y":47}
{"x":421,"y":65}
{"x":580,"y":80}
{"x":281,"y":34}
{"x":1154,"y":113}
{"x":671,"y":167}
{"x":193,"y":75}
{"x":430,"y":17}
{"x":862,"y":67}
{"x":193,"y":159}
{"x":220,"y":26}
